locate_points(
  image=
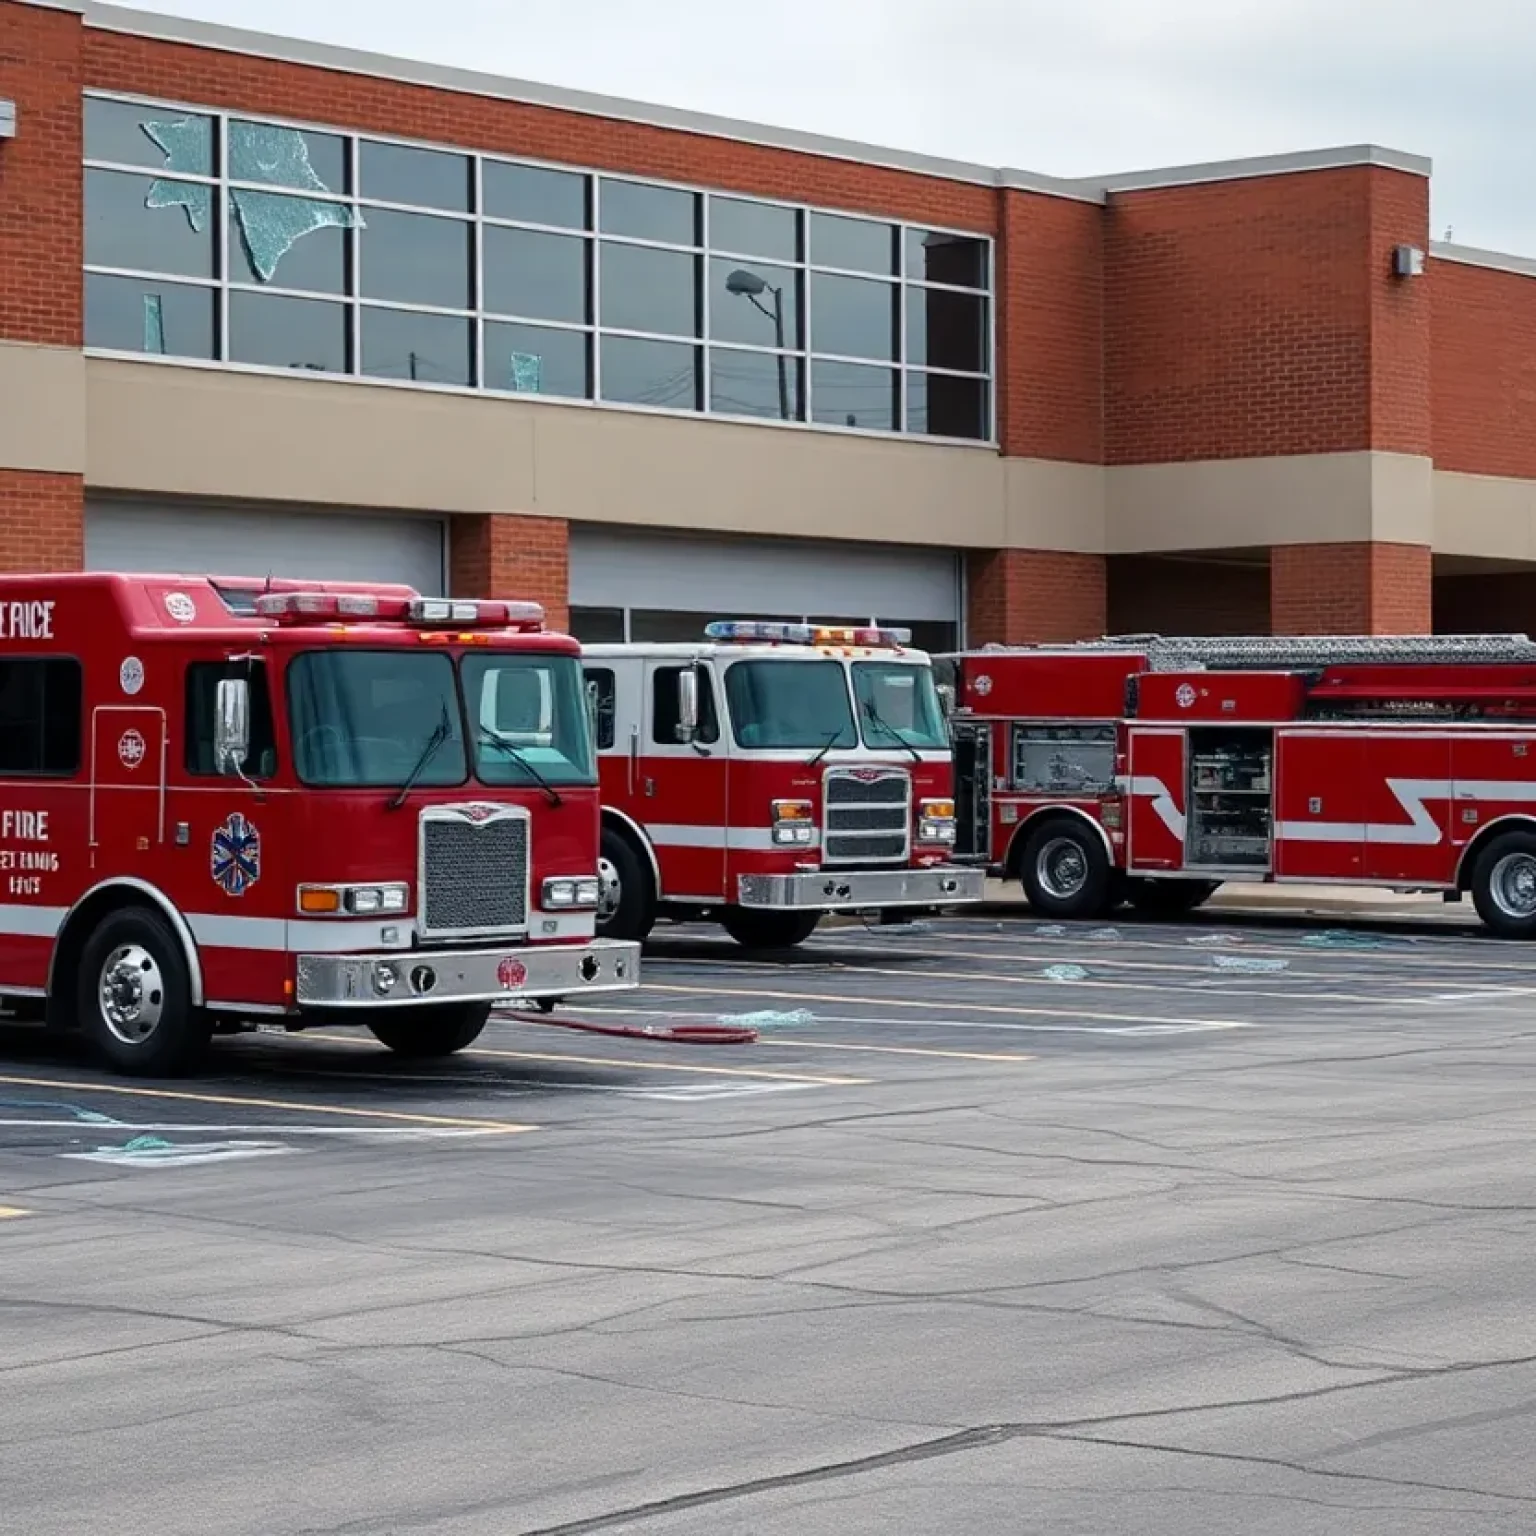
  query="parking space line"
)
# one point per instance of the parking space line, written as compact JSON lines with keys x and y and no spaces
{"x":290,"y":1106}
{"x":898,"y":1050}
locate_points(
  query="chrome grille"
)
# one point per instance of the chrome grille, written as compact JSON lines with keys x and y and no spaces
{"x":474,"y":870}
{"x":868,"y":816}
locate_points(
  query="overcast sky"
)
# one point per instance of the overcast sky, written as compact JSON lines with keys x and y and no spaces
{"x":1063,"y":88}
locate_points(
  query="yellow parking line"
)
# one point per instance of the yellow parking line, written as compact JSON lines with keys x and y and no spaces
{"x":292,"y":1106}
{"x":898,"y":1050}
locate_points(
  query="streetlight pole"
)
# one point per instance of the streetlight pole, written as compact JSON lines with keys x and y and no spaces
{"x":749,"y":286}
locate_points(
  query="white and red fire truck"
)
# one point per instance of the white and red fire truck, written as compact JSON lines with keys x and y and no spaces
{"x":770,"y":774}
{"x":1152,"y":770}
{"x":226,"y":803}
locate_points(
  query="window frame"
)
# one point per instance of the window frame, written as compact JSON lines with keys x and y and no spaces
{"x":265,"y":694}
{"x":709,"y":705}
{"x":606,"y":681}
{"x":53,"y":775}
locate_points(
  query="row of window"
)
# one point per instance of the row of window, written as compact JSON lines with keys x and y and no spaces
{"x":608,"y":289}
{"x":665,"y":626}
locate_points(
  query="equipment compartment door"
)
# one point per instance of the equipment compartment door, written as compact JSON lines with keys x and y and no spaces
{"x":1156,"y":798}
{"x":1320,"y":805}
{"x":1407,"y":808}
{"x":973,"y":790}
{"x":127,"y":816}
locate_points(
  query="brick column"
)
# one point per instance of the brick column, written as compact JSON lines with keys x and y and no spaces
{"x":512,"y":556}
{"x":42,"y":521}
{"x":1018,"y":596}
{"x":1350,"y":589}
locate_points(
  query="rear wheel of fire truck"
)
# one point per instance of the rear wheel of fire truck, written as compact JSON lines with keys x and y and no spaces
{"x":135,"y":999}
{"x":1170,"y":898}
{"x":754,"y":929}
{"x":626,"y":905}
{"x":1065,"y":870}
{"x":1504,"y":885}
{"x":421,"y":1033}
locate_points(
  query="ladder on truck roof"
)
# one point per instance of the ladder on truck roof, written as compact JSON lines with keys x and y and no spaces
{"x":1229,"y":653}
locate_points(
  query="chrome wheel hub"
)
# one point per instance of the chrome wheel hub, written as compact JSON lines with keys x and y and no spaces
{"x":1513,"y":886}
{"x":609,"y":892}
{"x":1061,"y":868}
{"x":132,"y":993}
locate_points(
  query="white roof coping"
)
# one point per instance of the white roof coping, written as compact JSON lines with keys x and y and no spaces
{"x":1471,"y":256}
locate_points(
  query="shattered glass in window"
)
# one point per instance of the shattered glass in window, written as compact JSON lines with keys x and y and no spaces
{"x":527,"y":373}
{"x":154,"y":324}
{"x":187,"y":145}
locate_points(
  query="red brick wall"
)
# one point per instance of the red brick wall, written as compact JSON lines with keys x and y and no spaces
{"x":1050,"y":328}
{"x":1483,"y":369}
{"x":1152,"y":594}
{"x":1350,"y":589}
{"x":1020,"y":595}
{"x":204,"y":77}
{"x":1242,"y":318}
{"x":42,"y":521}
{"x":40,"y":177}
{"x":509,"y":556}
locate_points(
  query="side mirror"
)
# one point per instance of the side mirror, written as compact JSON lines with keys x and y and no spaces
{"x":947,"y":699}
{"x":591,"y":692}
{"x":687,"y":704}
{"x":232,"y":727}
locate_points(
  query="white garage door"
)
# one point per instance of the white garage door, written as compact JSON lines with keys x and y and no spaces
{"x":238,"y":541}
{"x":662,"y":586}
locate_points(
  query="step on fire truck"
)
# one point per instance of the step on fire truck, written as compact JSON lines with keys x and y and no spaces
{"x":1151,"y":770}
{"x":770,"y":774}
{"x":225,"y":804}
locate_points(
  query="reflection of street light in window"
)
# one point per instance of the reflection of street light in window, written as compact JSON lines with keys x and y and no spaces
{"x":749,"y":286}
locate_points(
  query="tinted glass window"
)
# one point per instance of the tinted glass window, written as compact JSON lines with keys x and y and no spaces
{"x":757,"y":304}
{"x":134,"y":133}
{"x":754,"y":229}
{"x":39,"y":717}
{"x":598,"y":626}
{"x":947,"y":330}
{"x":266,"y":246}
{"x":959,"y":260}
{"x":755,"y":384}
{"x":665,"y":717}
{"x":603,"y":691}
{"x":149,"y":224}
{"x":853,"y":395}
{"x":790,"y":704}
{"x":649,"y":290}
{"x":203,"y":679}
{"x":946,"y":405}
{"x":278,"y":332}
{"x":144,"y":314}
{"x":424,"y":178}
{"x":856,"y":244}
{"x":537,"y":360}
{"x":534,"y":195}
{"x":649,"y":213}
{"x":542,"y":277}
{"x":659,"y":373}
{"x":529,"y":718}
{"x":853,"y":316}
{"x":272,"y":156}
{"x":413,"y":258}
{"x":429,"y":349}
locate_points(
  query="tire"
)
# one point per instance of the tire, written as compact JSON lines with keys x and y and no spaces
{"x":134,"y":1002}
{"x":1065,"y":870}
{"x":754,"y":929}
{"x":1171,"y":898}
{"x":627,"y":905}
{"x":424,"y":1033}
{"x":1504,"y":885}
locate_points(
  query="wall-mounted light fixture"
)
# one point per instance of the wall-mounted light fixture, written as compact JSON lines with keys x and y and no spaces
{"x":1407,"y":261}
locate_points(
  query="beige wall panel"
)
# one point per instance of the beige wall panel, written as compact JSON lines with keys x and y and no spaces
{"x":42,"y":408}
{"x":1485,"y":515}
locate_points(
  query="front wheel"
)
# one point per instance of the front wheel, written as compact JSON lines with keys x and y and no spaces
{"x":626,"y":894}
{"x":1504,"y":885}
{"x":422,"y":1033}
{"x":1065,"y":870}
{"x":1171,"y":898}
{"x":754,"y":929}
{"x":135,"y":998}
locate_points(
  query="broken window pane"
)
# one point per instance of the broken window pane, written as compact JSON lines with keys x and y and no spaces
{"x":134,"y":133}
{"x":279,"y":332}
{"x":144,"y":314}
{"x":317,"y":262}
{"x":129,"y":224}
{"x":537,"y":360}
{"x":273,"y":156}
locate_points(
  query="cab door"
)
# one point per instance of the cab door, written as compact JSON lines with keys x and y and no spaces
{"x":127,"y":792}
{"x":681,"y":786}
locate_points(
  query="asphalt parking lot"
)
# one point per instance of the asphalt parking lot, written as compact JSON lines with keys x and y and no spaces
{"x":998,"y":1227}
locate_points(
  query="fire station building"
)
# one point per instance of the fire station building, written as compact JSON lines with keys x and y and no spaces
{"x":273,"y":307}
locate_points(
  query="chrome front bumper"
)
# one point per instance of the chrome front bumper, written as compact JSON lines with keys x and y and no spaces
{"x":832,"y":890}
{"x":508,"y":976}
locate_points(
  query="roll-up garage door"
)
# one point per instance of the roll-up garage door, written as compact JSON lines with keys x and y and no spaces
{"x":180,"y":539}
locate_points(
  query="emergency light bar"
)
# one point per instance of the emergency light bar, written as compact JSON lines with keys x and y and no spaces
{"x":745,"y":631}
{"x":297,"y":607}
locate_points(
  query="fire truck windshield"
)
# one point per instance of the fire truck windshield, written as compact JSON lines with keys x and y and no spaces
{"x":363,"y":719}
{"x":898,"y":701}
{"x":790,"y":704}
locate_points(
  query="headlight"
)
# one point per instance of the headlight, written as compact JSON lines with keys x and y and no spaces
{"x":352,"y":900}
{"x":794,"y":823}
{"x":936,"y":821}
{"x":568,"y":893}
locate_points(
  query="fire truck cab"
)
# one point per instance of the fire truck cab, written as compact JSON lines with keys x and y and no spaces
{"x":1151,"y":770}
{"x":770,"y":774}
{"x":227,"y":803}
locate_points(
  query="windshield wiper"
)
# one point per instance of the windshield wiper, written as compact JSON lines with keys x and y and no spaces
{"x":440,"y":733}
{"x":875,"y":718}
{"x":825,"y":747}
{"x":517,"y":755}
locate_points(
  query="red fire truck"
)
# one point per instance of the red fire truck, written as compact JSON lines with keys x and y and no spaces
{"x":1150,"y":770}
{"x":228,"y":803}
{"x":769,"y":774}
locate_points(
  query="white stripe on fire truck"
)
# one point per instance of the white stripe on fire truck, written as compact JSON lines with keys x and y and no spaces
{"x":758,"y":839}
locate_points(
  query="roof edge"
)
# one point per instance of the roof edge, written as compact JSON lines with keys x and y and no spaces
{"x":1473,"y":256}
{"x":1338,"y":157}
{"x":76,"y":7}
